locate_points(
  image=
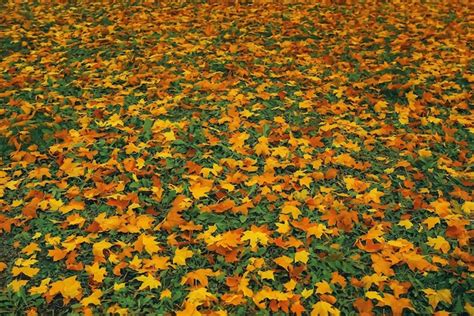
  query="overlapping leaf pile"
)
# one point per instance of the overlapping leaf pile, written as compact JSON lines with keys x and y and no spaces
{"x":236,"y":160}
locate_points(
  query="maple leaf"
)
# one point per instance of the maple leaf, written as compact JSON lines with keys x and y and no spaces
{"x":114,"y":120}
{"x":396,"y":304}
{"x":430,"y":222}
{"x":39,"y":173}
{"x":261,"y":148}
{"x":364,"y":307}
{"x":302,"y":256}
{"x":160,"y":263}
{"x":306,"y":181}
{"x":439,"y":243}
{"x":441,"y":207}
{"x":99,"y":247}
{"x":373,"y":295}
{"x":93,"y":299}
{"x":190,"y":309}
{"x":307,"y":293}
{"x":148,"y":281}
{"x":469,"y":309}
{"x":468,"y":207}
{"x":181,"y":255}
{"x":200,"y":188}
{"x":72,"y":169}
{"x":266,"y":275}
{"x":406,"y":223}
{"x":284,"y":262}
{"x":42,"y":288}
{"x":283,"y":228}
{"x":322,"y":308}
{"x":16,"y":285}
{"x":354,"y":184}
{"x":28,"y":271}
{"x":255,"y":238}
{"x":57,"y":253}
{"x":148,"y":242}
{"x":298,"y":308}
{"x":380,"y":106}
{"x":291,"y":209}
{"x":69,"y":288}
{"x":373,"y":196}
{"x":237,"y":141}
{"x":55,"y":205}
{"x":436,"y":296}
{"x":323,"y":287}
{"x":200,"y":296}
{"x":200,"y":275}
{"x":31,"y":249}
{"x":97,"y":273}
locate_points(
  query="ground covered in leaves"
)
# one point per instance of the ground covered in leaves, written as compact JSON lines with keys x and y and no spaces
{"x":242,"y":160}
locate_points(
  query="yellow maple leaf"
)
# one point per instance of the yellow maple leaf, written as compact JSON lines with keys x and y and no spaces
{"x":200,"y":296}
{"x":322,"y":308}
{"x":169,"y":136}
{"x":430,"y":222}
{"x":148,"y":242}
{"x":93,"y":299}
{"x":28,"y":271}
{"x":439,"y":243}
{"x":290,"y":285}
{"x":148,"y":281}
{"x":227,"y":186}
{"x":261,"y":148}
{"x":424,"y":152}
{"x":69,"y":288}
{"x":55,"y":204}
{"x":291,"y":209}
{"x":373,"y":195}
{"x":181,"y":255}
{"x":405,"y":223}
{"x":306,"y":181}
{"x":97,"y":273}
{"x":42,"y":288}
{"x":255,"y":237}
{"x":316,"y":230}
{"x":441,"y":207}
{"x":468,"y":207}
{"x":323,"y":287}
{"x":114,"y":120}
{"x":411,"y":97}
{"x":16,"y":285}
{"x":284,"y":262}
{"x":306,"y":104}
{"x":307,"y":293}
{"x":380,"y":106}
{"x":283,"y":228}
{"x":72,"y":169}
{"x":436,"y":296}
{"x":190,"y":309}
{"x":302,"y":256}
{"x":373,"y":295}
{"x":266,"y":275}
{"x":99,"y":247}
{"x":199,"y":188}
{"x":31,"y":249}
